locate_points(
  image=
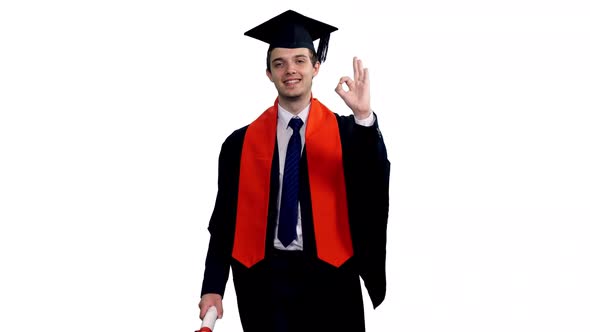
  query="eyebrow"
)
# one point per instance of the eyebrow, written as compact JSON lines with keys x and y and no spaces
{"x":295,"y":56}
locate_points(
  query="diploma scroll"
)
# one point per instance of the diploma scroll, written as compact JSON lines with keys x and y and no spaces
{"x":209,"y":320}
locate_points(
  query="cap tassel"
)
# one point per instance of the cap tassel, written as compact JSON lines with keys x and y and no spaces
{"x":323,"y":48}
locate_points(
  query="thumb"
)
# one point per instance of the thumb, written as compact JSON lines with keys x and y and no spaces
{"x":204,"y":309}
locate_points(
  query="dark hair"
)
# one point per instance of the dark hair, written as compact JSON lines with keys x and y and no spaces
{"x":313,"y":57}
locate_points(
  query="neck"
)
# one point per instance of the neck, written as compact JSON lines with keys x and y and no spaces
{"x":295,"y":105}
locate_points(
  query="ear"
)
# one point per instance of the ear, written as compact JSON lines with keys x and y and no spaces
{"x":269,"y":75}
{"x":316,"y":68}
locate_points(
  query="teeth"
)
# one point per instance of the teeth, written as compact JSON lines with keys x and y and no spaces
{"x":292,"y":81}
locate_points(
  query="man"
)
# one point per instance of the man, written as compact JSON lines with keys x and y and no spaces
{"x":302,"y":203}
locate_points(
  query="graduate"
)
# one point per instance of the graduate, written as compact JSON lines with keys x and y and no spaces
{"x":303,"y":197}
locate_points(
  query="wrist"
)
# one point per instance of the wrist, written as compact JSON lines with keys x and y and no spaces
{"x":361,"y":115}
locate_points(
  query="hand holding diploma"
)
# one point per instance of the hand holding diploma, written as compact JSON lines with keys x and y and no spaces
{"x":209,"y":320}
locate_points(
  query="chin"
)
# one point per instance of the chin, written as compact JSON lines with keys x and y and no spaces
{"x":293,"y":93}
{"x":292,"y":96}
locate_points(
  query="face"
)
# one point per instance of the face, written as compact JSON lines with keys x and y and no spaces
{"x":292,"y":71}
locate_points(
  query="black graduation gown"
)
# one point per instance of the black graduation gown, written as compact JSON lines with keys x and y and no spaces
{"x":334,"y":292}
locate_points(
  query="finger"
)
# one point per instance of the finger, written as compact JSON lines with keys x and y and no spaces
{"x":355,"y":68}
{"x":219,"y":307}
{"x":350,"y":84}
{"x":339,"y":90}
{"x":361,"y":70}
{"x":366,"y":75}
{"x":204,"y":309}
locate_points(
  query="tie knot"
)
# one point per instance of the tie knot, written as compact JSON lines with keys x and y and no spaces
{"x":296,"y":124}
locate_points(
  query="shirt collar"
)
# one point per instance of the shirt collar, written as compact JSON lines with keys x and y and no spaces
{"x":285,"y":116}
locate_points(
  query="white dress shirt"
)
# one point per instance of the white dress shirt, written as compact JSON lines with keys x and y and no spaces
{"x":284,"y":133}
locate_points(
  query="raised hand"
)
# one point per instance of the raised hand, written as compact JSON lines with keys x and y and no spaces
{"x":357,"y":97}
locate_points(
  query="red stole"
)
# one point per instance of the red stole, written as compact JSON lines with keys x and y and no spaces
{"x":326,"y":181}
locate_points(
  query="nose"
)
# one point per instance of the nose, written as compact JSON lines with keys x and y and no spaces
{"x":291,"y":68}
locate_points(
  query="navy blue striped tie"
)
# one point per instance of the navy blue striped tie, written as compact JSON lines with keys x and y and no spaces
{"x":290,"y":190}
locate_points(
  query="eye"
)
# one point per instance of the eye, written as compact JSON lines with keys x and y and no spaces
{"x":300,"y":61}
{"x":278,"y":64}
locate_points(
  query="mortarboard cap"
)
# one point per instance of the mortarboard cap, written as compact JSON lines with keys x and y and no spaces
{"x":293,"y":30}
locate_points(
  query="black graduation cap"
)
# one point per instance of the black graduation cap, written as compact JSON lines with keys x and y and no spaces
{"x":293,"y":30}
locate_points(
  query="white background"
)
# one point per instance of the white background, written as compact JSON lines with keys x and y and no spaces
{"x":112,"y":114}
